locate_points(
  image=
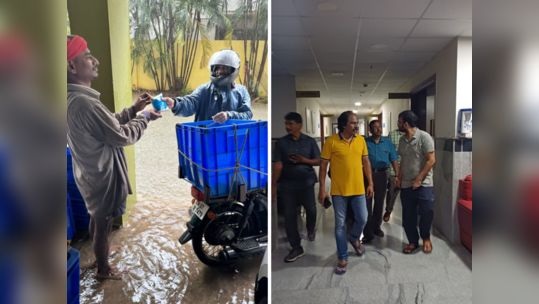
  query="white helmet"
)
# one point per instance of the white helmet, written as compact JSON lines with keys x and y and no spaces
{"x":227,"y":58}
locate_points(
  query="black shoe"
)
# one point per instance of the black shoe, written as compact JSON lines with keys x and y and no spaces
{"x":311,"y":235}
{"x":294,"y":255}
{"x":379,"y":233}
{"x":366,"y":240}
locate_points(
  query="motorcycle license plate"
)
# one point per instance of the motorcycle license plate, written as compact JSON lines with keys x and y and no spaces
{"x":200,"y":209}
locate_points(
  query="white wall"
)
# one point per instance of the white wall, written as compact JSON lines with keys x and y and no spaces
{"x":328,"y":124}
{"x":313,"y":105}
{"x":283,"y":101}
{"x":464,"y":74}
{"x":362,"y":128}
{"x":454,"y":83}
{"x":390,"y":110}
{"x":444,"y":66}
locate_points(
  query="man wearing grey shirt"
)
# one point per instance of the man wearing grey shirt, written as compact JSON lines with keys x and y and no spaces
{"x":96,"y":139}
{"x":416,"y":149}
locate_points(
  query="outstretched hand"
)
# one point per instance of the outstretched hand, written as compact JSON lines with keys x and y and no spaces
{"x":154,"y":115}
{"x":169,"y":101}
{"x":142,"y":101}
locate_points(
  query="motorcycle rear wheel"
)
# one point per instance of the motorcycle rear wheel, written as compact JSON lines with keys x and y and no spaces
{"x":205,"y":241}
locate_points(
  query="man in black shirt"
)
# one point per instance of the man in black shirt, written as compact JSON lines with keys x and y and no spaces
{"x":293,"y":161}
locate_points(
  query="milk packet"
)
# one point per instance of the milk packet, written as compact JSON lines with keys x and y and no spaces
{"x":158,"y":103}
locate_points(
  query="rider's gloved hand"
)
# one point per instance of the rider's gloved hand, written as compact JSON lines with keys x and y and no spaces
{"x":221,"y":117}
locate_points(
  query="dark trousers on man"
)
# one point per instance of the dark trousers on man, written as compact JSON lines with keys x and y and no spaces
{"x":292,"y":198}
{"x":376,"y":210}
{"x":417,"y":202}
{"x":392,"y":194}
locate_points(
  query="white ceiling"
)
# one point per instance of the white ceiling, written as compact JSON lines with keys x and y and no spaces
{"x":312,"y":45}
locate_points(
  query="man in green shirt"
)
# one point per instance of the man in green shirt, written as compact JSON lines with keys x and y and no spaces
{"x":392,"y":190}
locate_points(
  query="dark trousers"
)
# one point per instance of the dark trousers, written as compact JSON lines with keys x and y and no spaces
{"x":374,"y":222}
{"x":292,"y":198}
{"x":392,"y":194}
{"x":414,"y":202}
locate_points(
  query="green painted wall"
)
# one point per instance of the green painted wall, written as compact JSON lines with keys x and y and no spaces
{"x":105,"y":26}
{"x":121,"y":77}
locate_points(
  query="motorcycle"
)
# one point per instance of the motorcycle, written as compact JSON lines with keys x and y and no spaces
{"x":223,"y":230}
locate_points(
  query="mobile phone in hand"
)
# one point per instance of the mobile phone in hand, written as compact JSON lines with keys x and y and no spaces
{"x":327,"y":203}
{"x":290,"y":157}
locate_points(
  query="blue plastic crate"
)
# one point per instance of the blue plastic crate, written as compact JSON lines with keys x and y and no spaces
{"x":73,"y":276}
{"x":216,"y":148}
{"x":74,"y":192}
{"x":71,"y":179}
{"x":79,"y":207}
{"x":82,"y":222}
{"x":71,"y":228}
{"x":69,"y":160}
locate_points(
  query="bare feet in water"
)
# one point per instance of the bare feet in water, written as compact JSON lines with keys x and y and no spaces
{"x":114,"y":250}
{"x":114,"y":273}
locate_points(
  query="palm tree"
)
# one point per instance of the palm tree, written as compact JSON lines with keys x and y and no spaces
{"x":161,"y":28}
{"x":255,"y":13}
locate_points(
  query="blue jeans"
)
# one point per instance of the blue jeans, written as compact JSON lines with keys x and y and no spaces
{"x":340,"y":204}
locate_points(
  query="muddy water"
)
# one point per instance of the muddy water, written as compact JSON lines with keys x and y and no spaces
{"x":159,"y":269}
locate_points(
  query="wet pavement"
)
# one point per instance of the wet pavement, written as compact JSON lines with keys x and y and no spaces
{"x":159,"y":269}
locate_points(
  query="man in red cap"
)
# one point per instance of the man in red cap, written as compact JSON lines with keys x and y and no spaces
{"x":96,"y":138}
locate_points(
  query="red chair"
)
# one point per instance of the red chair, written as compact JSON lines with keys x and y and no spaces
{"x":465,"y":211}
{"x":529,"y":212}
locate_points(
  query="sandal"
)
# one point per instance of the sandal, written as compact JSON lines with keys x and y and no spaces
{"x":360,"y":250}
{"x":343,"y":267}
{"x":411,"y":248}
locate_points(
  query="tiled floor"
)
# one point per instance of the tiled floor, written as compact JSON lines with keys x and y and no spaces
{"x":383,"y":275}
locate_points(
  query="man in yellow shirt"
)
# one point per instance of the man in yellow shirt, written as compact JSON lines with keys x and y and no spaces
{"x":349,"y":158}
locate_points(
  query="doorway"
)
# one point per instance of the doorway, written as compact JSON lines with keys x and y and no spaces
{"x":423,"y":105}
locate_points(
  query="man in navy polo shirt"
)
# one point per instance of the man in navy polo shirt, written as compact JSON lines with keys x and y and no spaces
{"x":382,"y":154}
{"x":294,"y":157}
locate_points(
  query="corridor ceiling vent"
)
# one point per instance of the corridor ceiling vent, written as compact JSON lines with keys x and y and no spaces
{"x":379,"y":46}
{"x":337,"y":74}
{"x":328,"y":7}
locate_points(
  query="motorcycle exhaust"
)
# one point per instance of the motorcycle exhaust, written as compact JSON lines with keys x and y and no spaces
{"x":229,"y":254}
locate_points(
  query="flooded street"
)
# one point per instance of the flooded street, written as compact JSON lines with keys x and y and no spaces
{"x":159,"y":269}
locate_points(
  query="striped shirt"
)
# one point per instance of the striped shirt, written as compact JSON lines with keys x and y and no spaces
{"x":395,"y":137}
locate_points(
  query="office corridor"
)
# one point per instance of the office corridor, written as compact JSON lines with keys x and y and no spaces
{"x":383,"y":275}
